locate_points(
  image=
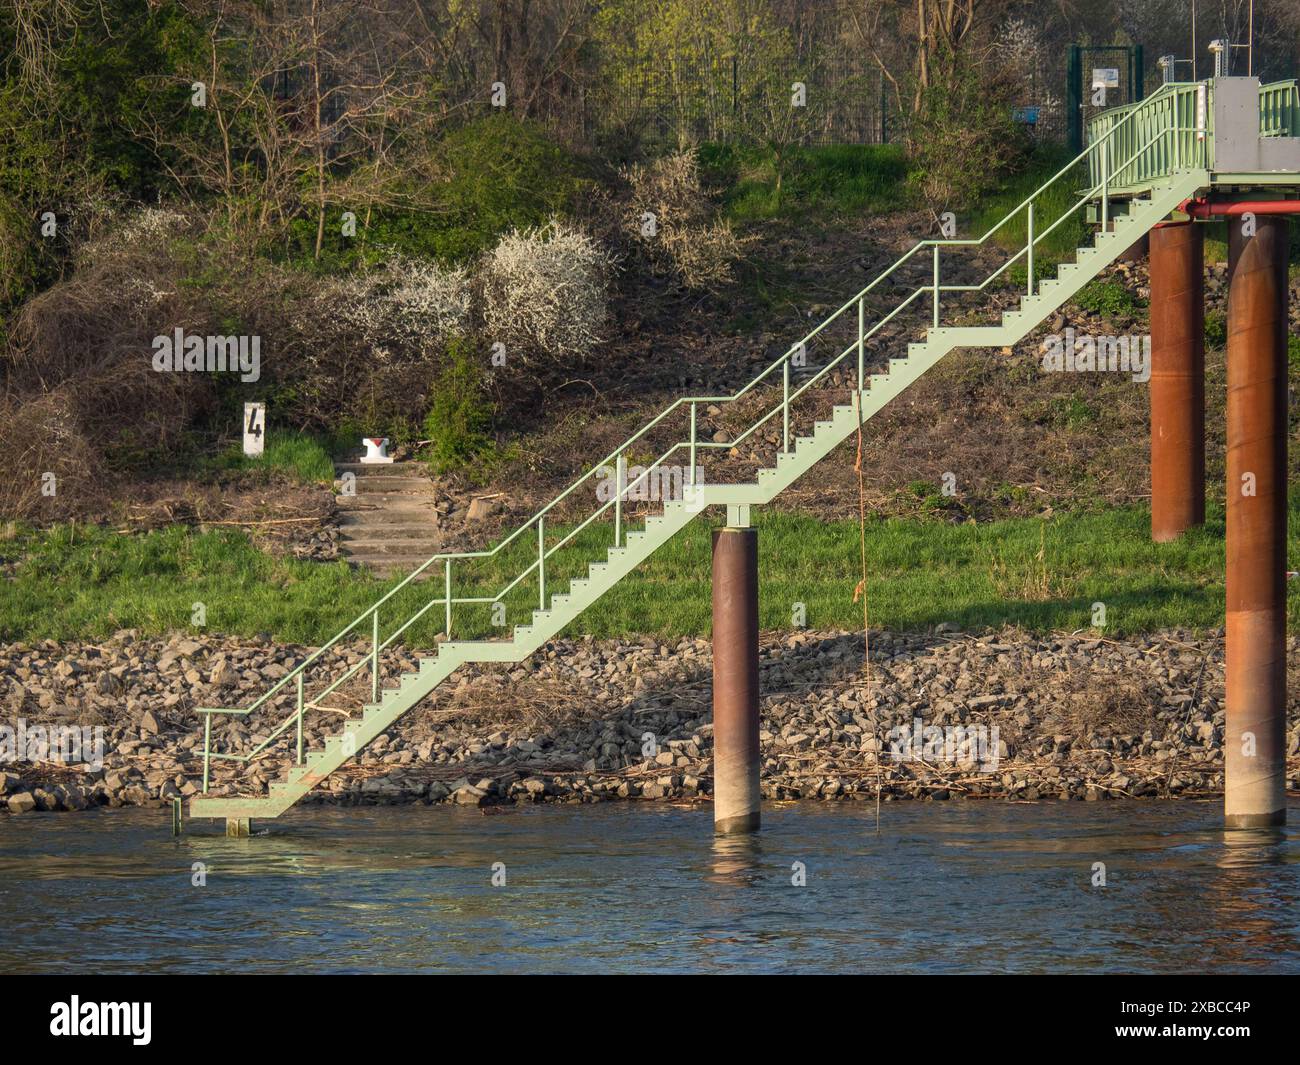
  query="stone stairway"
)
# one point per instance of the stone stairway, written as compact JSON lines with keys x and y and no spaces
{"x":390,"y":524}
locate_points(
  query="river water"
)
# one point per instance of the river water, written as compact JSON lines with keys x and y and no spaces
{"x":640,"y":887}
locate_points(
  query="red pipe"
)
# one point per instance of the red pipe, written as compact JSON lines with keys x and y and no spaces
{"x":1222,"y":209}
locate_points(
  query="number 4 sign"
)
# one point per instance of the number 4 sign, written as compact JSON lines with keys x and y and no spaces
{"x":254,"y":428}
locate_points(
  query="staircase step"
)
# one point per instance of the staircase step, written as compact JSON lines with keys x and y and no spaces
{"x":382,"y":469}
{"x":390,"y":532}
{"x":388,"y":500}
{"x":394,"y":548}
{"x":400,"y":485}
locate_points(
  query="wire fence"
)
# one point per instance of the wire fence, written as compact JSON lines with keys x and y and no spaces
{"x":671,"y":104}
{"x":837,"y":100}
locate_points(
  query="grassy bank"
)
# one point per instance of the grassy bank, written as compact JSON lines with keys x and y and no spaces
{"x":303,"y":457}
{"x":828,"y":181}
{"x":1043,"y":575}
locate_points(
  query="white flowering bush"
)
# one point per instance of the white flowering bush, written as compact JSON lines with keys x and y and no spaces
{"x":545,"y":291}
{"x":413,"y":305}
{"x":115,"y":233}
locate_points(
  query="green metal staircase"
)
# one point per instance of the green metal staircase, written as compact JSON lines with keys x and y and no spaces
{"x":866,"y":394}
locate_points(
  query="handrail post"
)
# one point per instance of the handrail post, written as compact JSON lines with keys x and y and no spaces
{"x":299,"y":762}
{"x":692,"y":443}
{"x":1030,"y":246}
{"x":207,"y":747}
{"x":1105,"y":186}
{"x":541,"y":563}
{"x":862,"y":343}
{"x":446,"y":597}
{"x":1175,"y":128}
{"x":936,"y":286}
{"x":785,"y":405}
{"x":374,"y":656}
{"x":619,"y":475}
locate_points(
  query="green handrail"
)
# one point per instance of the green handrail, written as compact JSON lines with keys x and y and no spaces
{"x":1096,"y":151}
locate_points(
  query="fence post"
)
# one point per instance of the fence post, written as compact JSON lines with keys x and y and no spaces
{"x":299,"y":762}
{"x":884,"y":107}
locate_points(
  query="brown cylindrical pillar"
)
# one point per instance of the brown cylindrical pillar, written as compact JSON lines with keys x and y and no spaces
{"x":735,"y":680}
{"x":1254,"y":751}
{"x":1177,"y":380}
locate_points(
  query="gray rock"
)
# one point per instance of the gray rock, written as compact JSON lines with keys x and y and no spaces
{"x":22,"y":802}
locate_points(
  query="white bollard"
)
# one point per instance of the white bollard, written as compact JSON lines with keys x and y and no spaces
{"x":376,"y":449}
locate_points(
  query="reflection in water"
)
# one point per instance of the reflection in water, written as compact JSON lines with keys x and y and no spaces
{"x":738,"y":859}
{"x":951,"y":887}
{"x":1251,"y":894}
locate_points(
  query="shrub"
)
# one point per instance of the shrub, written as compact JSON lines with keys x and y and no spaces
{"x":460,"y":414}
{"x":363,"y":349}
{"x":685,"y":241}
{"x":456,"y":195}
{"x":1216,"y":329}
{"x":79,"y":370}
{"x":963,"y":117}
{"x":46,"y":449}
{"x":544,"y":291}
{"x":1109,"y":299}
{"x":411,"y":302}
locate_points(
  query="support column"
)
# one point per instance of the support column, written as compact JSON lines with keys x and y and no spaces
{"x":736,"y":797}
{"x":1254,"y":734}
{"x":1177,"y":380}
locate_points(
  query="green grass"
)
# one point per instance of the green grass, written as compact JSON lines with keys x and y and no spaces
{"x":827,"y":181}
{"x":1042,"y":575}
{"x":302,"y":456}
{"x":1049,"y":207}
{"x":1110,"y":299}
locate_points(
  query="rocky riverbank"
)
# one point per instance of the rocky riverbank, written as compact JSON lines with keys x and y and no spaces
{"x":943,"y":716}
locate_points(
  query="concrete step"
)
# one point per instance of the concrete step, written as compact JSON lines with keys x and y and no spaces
{"x":388,"y":501}
{"x":392,"y":485}
{"x":391,"y":548}
{"x":382,"y":566}
{"x":389,"y":530}
{"x":410,"y":513}
{"x":386,"y":469}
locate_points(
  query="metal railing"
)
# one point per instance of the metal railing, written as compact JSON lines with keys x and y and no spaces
{"x":449,"y":565}
{"x":1279,"y":109}
{"x":1187,"y":106}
